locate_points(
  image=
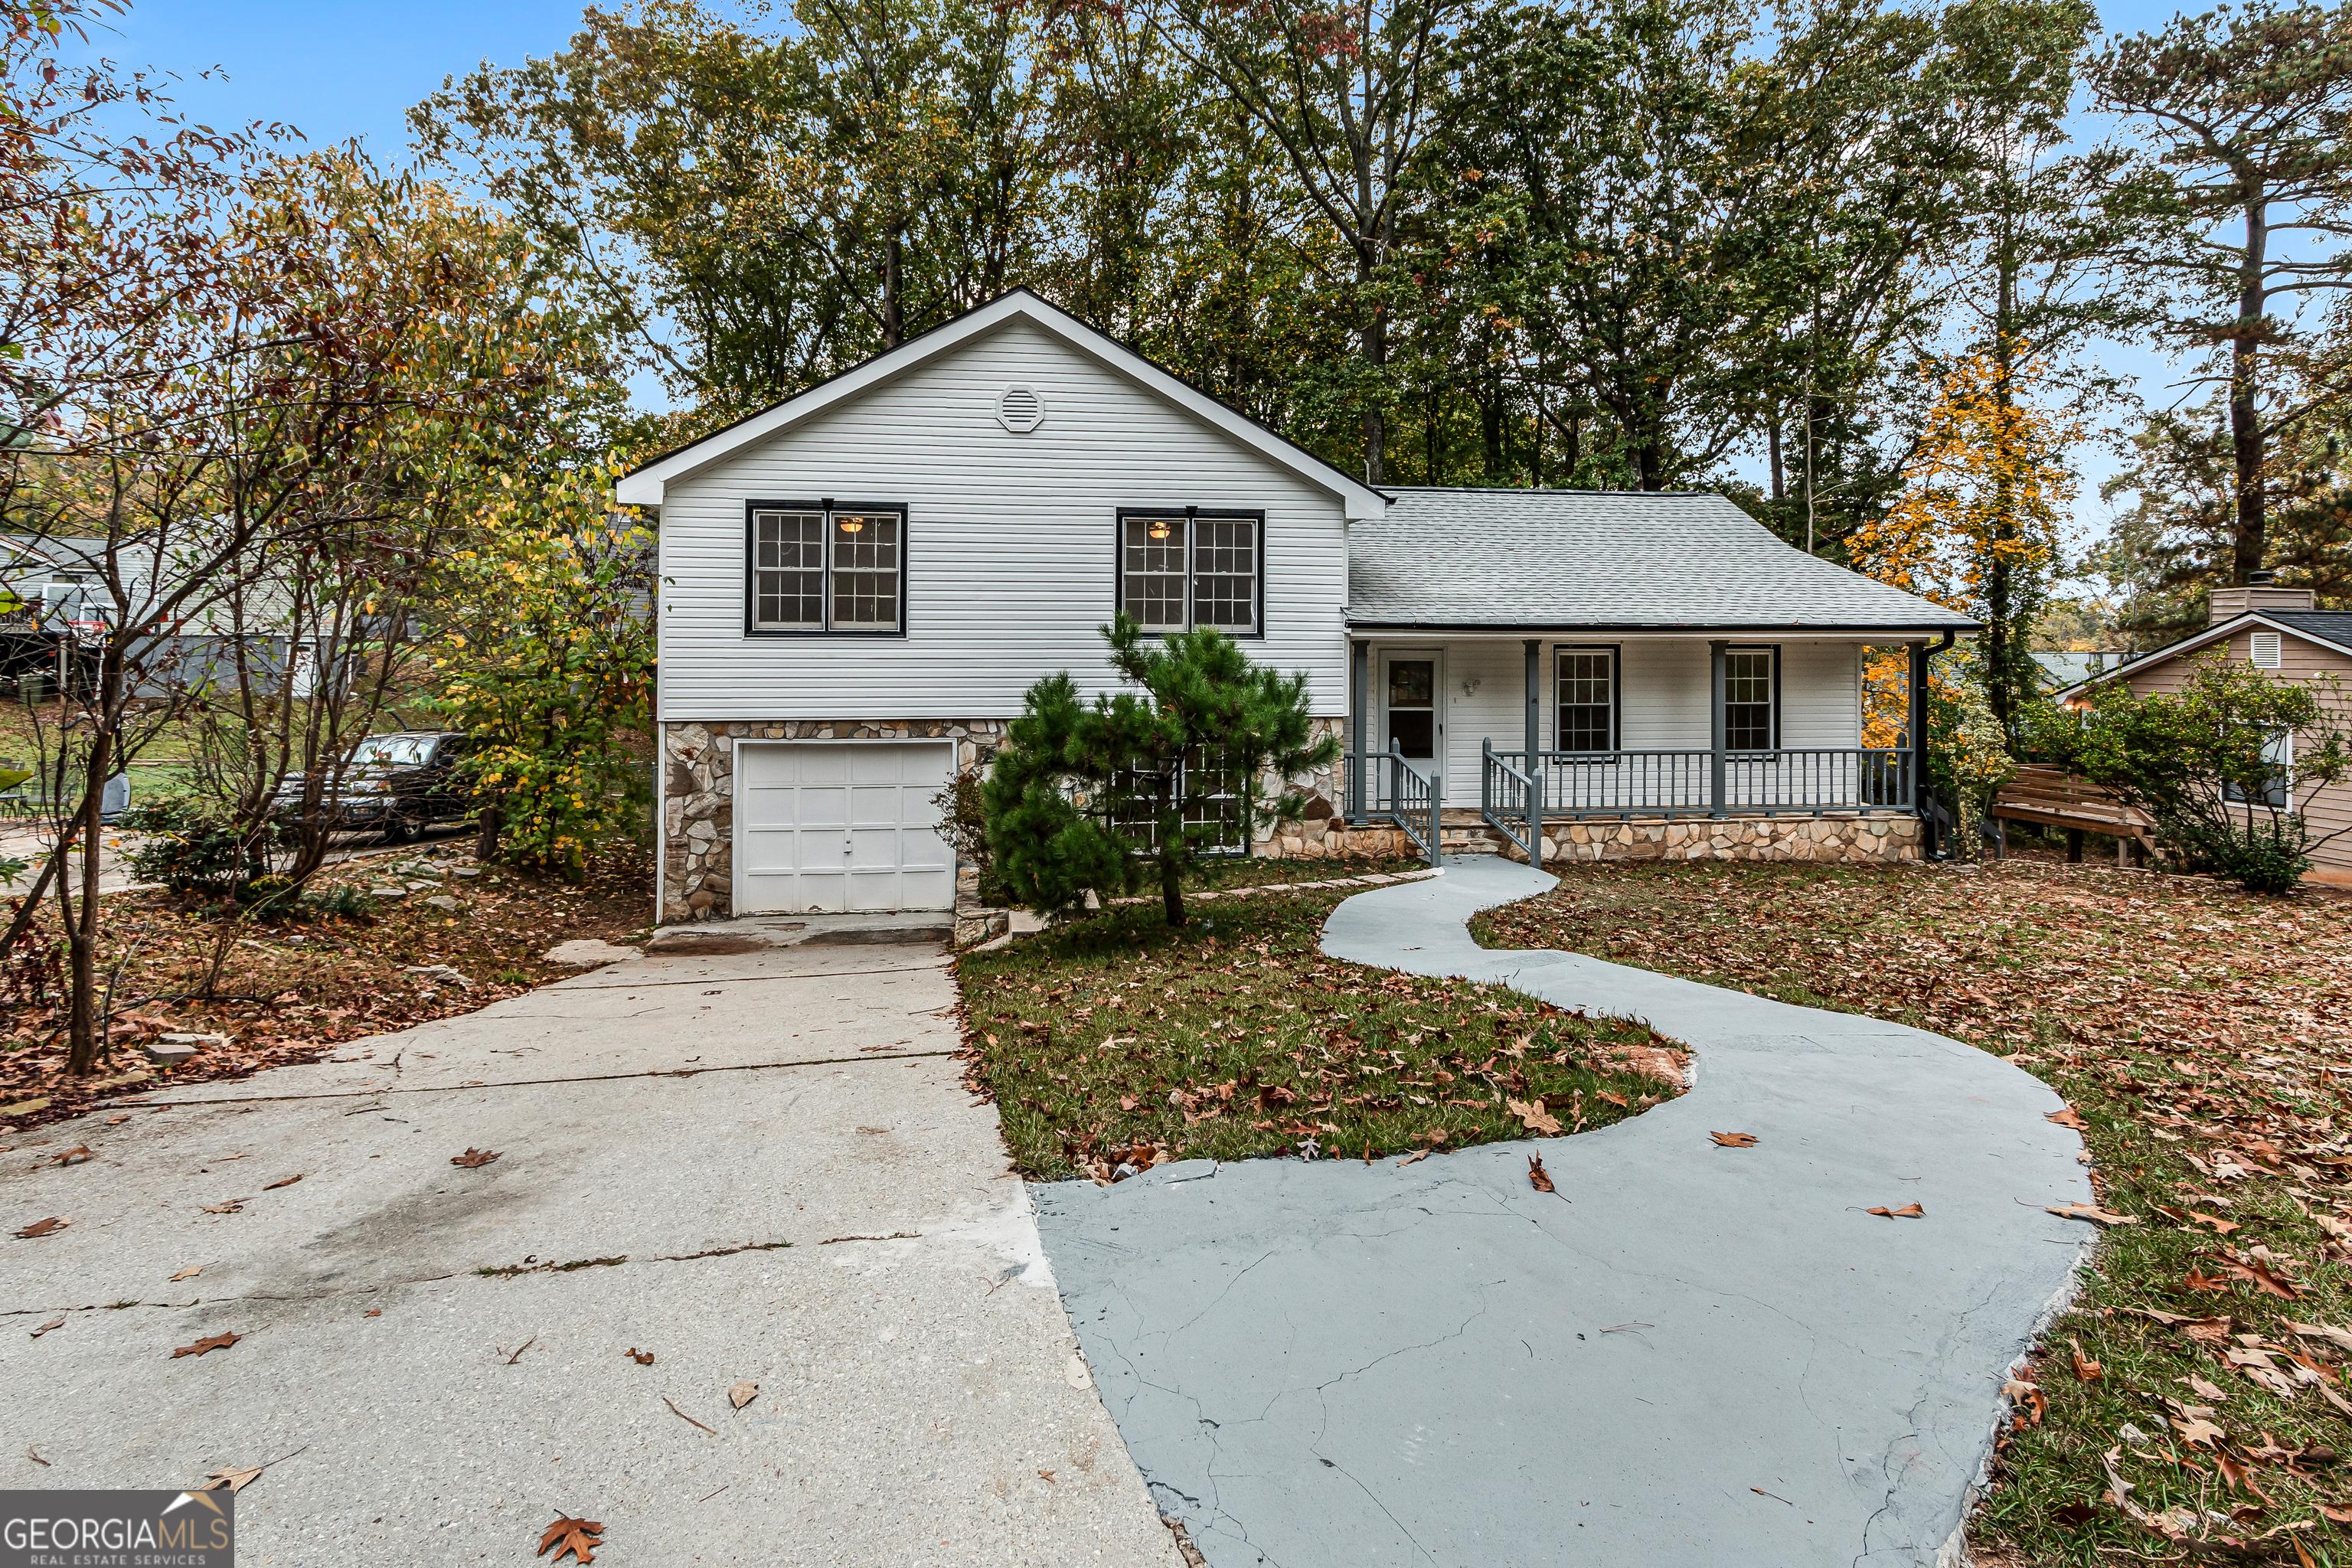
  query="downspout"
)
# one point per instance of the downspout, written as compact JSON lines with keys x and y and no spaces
{"x":1920,"y":799}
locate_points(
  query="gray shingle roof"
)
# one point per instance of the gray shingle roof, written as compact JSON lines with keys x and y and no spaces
{"x":2321,"y":625}
{"x":1536,"y":560}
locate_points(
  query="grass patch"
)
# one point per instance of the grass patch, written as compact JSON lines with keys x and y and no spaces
{"x":2201,"y":1034}
{"x":1114,"y":1040}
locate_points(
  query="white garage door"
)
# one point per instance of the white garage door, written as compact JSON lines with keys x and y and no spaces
{"x":827,"y":826}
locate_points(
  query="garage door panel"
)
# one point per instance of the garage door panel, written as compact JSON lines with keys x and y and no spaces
{"x":832,"y":825}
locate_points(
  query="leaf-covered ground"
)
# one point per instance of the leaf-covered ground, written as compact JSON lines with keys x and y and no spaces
{"x":291,"y":989}
{"x":2192,"y":1405}
{"x":1113,"y":1041}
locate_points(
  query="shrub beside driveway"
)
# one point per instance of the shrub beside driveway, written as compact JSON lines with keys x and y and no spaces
{"x":2193,"y":1401}
{"x":1115,"y":1041}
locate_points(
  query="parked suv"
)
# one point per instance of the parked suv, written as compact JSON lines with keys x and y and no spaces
{"x":397,"y":783}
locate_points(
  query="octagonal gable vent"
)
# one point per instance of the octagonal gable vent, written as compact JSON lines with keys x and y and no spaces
{"x":1020,"y":410}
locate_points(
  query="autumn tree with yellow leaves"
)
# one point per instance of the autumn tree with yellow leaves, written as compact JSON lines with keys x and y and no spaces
{"x":1978,"y":525}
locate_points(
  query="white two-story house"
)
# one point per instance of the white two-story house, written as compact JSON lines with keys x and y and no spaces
{"x":860,"y":585}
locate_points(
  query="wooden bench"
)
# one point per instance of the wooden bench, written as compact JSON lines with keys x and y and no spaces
{"x":2053,"y":797}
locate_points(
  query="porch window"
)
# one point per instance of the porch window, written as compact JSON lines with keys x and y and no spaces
{"x":1586,"y":688}
{"x":1751,"y":699}
{"x":1182,"y":569}
{"x":820,"y":568}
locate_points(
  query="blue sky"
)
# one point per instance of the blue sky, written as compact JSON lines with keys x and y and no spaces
{"x":340,"y":70}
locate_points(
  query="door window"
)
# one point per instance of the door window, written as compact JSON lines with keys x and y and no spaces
{"x":1412,"y":706}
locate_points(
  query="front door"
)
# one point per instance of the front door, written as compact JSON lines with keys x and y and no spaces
{"x":1412,"y":685}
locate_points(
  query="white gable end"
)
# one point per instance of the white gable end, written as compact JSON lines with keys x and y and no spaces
{"x":1009,"y":534}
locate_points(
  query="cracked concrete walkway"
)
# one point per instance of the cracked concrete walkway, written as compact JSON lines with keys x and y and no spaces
{"x":439,"y":1375}
{"x":1691,"y":1357}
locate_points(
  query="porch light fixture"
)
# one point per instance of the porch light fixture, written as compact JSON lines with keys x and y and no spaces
{"x":853,"y":524}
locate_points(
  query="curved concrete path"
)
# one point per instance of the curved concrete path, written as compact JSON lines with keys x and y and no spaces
{"x":1690,"y":1356}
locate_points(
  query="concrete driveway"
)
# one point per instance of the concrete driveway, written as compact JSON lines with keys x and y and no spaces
{"x":1689,"y":1356}
{"x":758,"y":1167}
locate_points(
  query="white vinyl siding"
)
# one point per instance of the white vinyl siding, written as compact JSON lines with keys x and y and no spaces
{"x":1014,"y":543}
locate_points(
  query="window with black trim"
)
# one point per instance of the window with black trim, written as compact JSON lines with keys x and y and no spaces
{"x":1183,"y":569}
{"x":1584,"y":687}
{"x":825,"y":568}
{"x":1751,"y":699}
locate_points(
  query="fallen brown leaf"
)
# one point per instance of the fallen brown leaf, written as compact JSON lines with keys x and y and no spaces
{"x":373,"y":1312}
{"x":580,"y":1537}
{"x":1534,"y":1117}
{"x":2090,"y":1211}
{"x":1909,"y":1211}
{"x":1733,"y":1140}
{"x":1538,"y":1177}
{"x":2085,"y":1369}
{"x":281,"y":1182}
{"x":2196,"y":1430}
{"x":2341,"y":1338}
{"x":233,"y":1480}
{"x":187,"y":1273}
{"x":2027,"y":1397}
{"x":743,"y":1393}
{"x":643,"y":1358}
{"x":44,"y":1328}
{"x":474,"y":1159}
{"x":2200,"y":1280}
{"x":71,"y":1156}
{"x":2261,"y":1279}
{"x":2068,"y":1118}
{"x":1409,"y":1159}
{"x":216,"y":1343}
{"x":1616,"y":1099}
{"x":44,"y":1227}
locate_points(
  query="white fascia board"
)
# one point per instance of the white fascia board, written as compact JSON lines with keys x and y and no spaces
{"x":645,"y":487}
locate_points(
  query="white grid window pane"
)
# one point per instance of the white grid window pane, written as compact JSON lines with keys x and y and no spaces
{"x":865,"y":572}
{"x":1587,"y":701}
{"x":1224,"y":573}
{"x":1747,"y":699}
{"x":788,"y":570}
{"x":1152,"y":572}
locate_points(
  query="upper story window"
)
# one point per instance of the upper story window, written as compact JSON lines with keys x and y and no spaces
{"x":1751,"y":699}
{"x":1586,"y":686}
{"x":819,"y":567}
{"x":1183,"y":568}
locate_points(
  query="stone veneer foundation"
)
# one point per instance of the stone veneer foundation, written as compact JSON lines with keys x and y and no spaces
{"x":697,"y":816}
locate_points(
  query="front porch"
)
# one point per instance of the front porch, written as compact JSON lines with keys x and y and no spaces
{"x":1603,"y":763}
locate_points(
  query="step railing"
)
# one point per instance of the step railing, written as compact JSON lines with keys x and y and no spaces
{"x":1414,"y":800}
{"x":1508,"y":800}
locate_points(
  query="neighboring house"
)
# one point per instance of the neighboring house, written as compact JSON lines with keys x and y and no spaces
{"x":2272,"y":628}
{"x":861,"y":584}
{"x":2064,"y":669}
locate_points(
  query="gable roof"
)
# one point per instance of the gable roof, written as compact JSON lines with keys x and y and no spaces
{"x":1467,"y":560}
{"x":642,"y":486}
{"x":2331,"y":627}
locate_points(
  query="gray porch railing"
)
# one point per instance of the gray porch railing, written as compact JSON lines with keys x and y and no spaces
{"x":1401,"y":792}
{"x":1790,"y":782}
{"x":1509,"y":801}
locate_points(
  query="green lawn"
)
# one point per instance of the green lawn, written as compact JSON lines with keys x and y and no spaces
{"x":1114,"y":1040}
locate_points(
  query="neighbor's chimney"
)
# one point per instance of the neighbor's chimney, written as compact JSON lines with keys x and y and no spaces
{"x":2259,"y":594}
